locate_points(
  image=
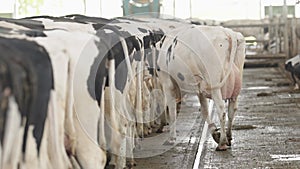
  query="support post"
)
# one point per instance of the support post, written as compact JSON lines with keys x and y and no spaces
{"x":270,"y":28}
{"x":191,"y":9}
{"x":174,"y":5}
{"x":286,"y":27}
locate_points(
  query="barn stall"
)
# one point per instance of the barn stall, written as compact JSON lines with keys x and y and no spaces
{"x":149,"y":84}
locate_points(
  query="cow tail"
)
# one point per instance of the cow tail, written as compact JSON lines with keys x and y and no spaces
{"x":111,"y":76}
{"x":111,"y":80}
{"x":139,"y":82}
{"x":231,"y":61}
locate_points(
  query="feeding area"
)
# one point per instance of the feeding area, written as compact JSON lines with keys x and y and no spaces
{"x":147,"y":84}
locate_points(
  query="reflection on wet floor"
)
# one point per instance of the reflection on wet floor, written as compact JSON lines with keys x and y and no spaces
{"x":288,"y":157}
{"x":258,"y":88}
{"x":266,"y":132}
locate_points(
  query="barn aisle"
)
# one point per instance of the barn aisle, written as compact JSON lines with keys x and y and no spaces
{"x":266,"y":132}
{"x":160,"y":155}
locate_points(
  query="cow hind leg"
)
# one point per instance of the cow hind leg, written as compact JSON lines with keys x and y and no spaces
{"x":130,"y":144}
{"x":13,"y":136}
{"x":163,"y":121}
{"x":217,"y":97}
{"x":172,"y":120}
{"x":232,"y":108}
{"x":170,"y":95}
{"x":205,"y":113}
{"x":87,"y":153}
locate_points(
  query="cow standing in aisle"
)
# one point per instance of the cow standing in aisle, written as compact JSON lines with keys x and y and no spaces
{"x":207,"y":61}
{"x":292,"y":65}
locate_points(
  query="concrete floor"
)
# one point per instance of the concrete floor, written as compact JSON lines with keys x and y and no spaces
{"x":266,"y":132}
{"x":180,"y":155}
{"x":267,"y":125}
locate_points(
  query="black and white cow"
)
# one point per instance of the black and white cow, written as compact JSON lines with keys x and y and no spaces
{"x":61,"y":46}
{"x":292,"y":65}
{"x":207,"y":61}
{"x":225,"y":44}
{"x":26,"y":86}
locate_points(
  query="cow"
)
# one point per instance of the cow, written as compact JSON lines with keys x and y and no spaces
{"x":26,"y":92}
{"x":58,"y":44}
{"x":207,"y":61}
{"x":292,"y":65}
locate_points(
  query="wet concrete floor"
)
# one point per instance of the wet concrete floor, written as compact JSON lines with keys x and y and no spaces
{"x":266,"y":132}
{"x":162,"y":155}
{"x":267,"y":125}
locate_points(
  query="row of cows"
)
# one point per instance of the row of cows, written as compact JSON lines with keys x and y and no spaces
{"x":76,"y":91}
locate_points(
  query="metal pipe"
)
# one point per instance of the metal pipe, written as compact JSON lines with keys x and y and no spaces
{"x":100,"y":1}
{"x":285,"y":21}
{"x":174,"y":5}
{"x":190,"y":8}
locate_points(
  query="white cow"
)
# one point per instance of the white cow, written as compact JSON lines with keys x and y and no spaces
{"x":207,"y":61}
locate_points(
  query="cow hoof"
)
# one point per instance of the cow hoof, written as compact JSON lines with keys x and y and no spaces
{"x":131,"y":164}
{"x":229,"y":142}
{"x":221,"y":148}
{"x":216,"y":135}
{"x":149,"y":131}
{"x":296,"y":87}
